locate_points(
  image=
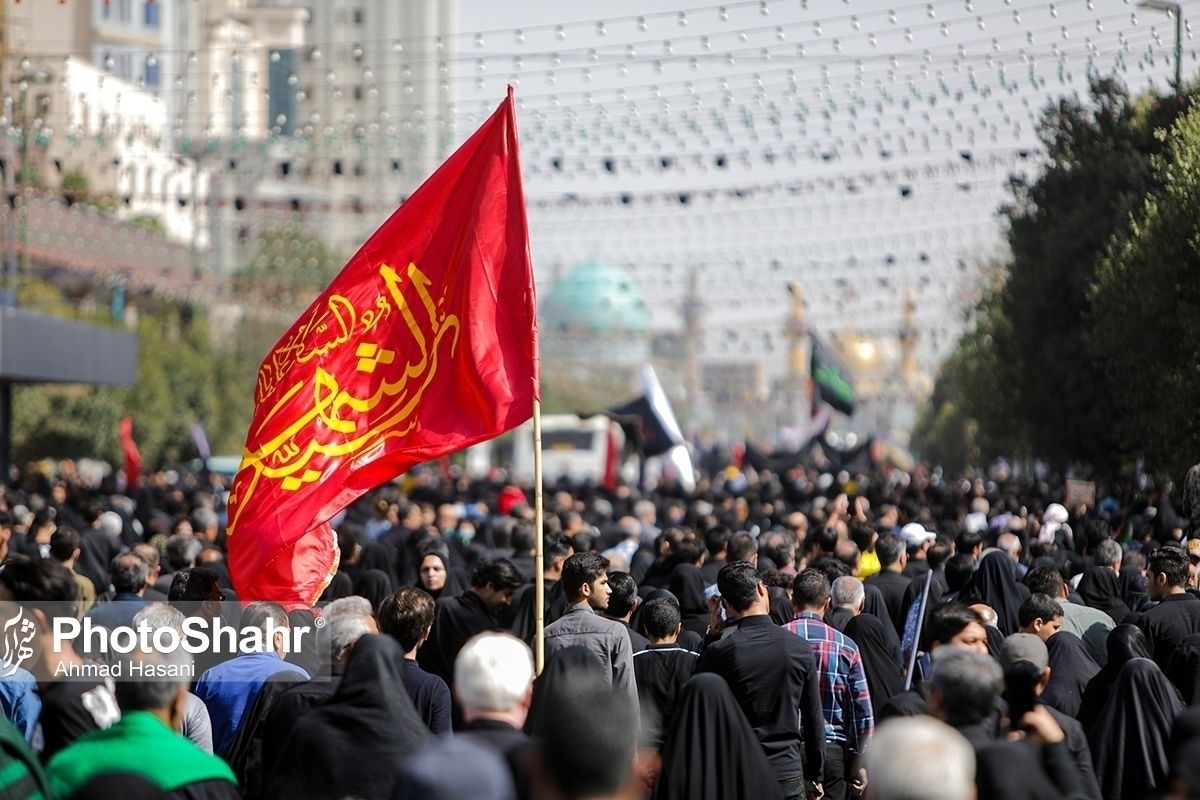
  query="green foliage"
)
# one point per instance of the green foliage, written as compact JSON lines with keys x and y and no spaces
{"x":76,"y":183}
{"x":148,"y":222}
{"x":1032,"y":374}
{"x":290,"y":268}
{"x":183,"y":377}
{"x":1147,"y":307}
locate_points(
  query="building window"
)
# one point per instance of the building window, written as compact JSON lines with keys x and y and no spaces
{"x":125,"y":10}
{"x":151,"y":15}
{"x":105,"y":9}
{"x":359,"y":16}
{"x":358,"y":93}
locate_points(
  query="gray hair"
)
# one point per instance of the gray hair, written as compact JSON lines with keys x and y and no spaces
{"x":1108,"y":554}
{"x":154,"y":693}
{"x":347,"y":618}
{"x":129,"y":572}
{"x":969,"y":683}
{"x":160,"y":615}
{"x":920,"y":758}
{"x":848,"y":592}
{"x":181,"y":551}
{"x":493,"y":672}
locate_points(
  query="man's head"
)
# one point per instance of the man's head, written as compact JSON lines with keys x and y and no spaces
{"x":495,"y":580}
{"x":969,"y":543}
{"x":64,"y":545}
{"x":623,"y":596}
{"x":848,"y":592}
{"x":963,"y":687}
{"x":716,"y":539}
{"x":1046,"y":580}
{"x":1166,"y":572}
{"x":165,"y":698}
{"x":128,"y":573}
{"x":955,"y":623}
{"x":272,"y":620}
{"x":920,"y":758}
{"x":661,"y":620}
{"x":810,"y":591}
{"x":1026,"y":663}
{"x":587,"y":747}
{"x":1107,"y":553}
{"x":407,"y":616}
{"x":742,"y":547}
{"x":1040,"y":615}
{"x":195,"y":585}
{"x":347,"y":620}
{"x":1010,"y":544}
{"x":742,"y":590}
{"x":493,"y":677}
{"x":38,"y":581}
{"x":585,"y":578}
{"x":556,"y":549}
{"x":916,"y":539}
{"x":181,"y":551}
{"x":149,"y":553}
{"x":892,"y":553}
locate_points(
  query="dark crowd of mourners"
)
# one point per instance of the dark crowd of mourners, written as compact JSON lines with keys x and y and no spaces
{"x":878,"y":634}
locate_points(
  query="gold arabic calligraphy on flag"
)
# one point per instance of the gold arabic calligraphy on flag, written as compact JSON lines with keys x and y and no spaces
{"x":341,"y":423}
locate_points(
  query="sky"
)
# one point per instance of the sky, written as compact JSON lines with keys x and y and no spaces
{"x":859,"y":147}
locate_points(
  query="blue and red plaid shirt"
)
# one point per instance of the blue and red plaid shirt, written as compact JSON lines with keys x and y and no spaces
{"x":845,"y":698}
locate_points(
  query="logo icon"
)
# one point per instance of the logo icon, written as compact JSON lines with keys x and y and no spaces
{"x":16,"y":637}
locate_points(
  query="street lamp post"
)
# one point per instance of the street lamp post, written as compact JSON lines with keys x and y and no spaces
{"x":1174,"y":10}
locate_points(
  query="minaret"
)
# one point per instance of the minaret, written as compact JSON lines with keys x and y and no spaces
{"x":693,"y":312}
{"x":799,"y":385}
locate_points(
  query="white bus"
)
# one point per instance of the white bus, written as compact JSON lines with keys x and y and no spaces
{"x":580,"y":449}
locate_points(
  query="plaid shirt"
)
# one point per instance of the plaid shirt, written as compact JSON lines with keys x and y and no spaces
{"x":844,"y":694}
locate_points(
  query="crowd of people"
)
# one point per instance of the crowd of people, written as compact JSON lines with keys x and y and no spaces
{"x":880,"y":634}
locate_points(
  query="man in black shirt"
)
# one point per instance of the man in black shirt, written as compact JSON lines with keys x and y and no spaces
{"x":1177,"y":613}
{"x":661,"y":669}
{"x":772,"y":674}
{"x":474,"y":611}
{"x":890,"y":579}
{"x":621,"y":604}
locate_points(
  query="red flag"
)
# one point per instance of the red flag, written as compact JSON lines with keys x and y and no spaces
{"x":423,"y":345}
{"x":133,"y":458}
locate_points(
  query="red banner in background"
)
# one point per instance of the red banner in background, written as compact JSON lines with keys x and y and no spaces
{"x":133,"y":458}
{"x":423,"y":345}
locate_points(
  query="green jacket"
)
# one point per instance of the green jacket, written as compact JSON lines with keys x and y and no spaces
{"x":21,"y":776}
{"x":142,"y":744}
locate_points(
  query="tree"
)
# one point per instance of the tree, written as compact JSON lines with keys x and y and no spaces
{"x":1146,"y":300}
{"x":290,"y":268}
{"x":1038,"y":350}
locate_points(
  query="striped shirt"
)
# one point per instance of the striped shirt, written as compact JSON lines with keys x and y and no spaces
{"x":845,"y":698}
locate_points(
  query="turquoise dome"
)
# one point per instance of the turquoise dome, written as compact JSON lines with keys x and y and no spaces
{"x":594,"y":297}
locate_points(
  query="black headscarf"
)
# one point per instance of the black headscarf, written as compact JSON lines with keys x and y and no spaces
{"x":340,"y":586}
{"x":375,"y":585}
{"x":352,"y":745}
{"x":1130,"y":738}
{"x":1070,"y":670}
{"x":564,"y":670}
{"x":687,"y":584}
{"x":881,"y":663}
{"x":995,"y":584}
{"x":1125,"y":642}
{"x":455,"y":583}
{"x":1183,"y":668}
{"x":1100,"y":588}
{"x":710,"y":752}
{"x":378,"y":555}
{"x":1134,"y":589}
{"x":782,"y":610}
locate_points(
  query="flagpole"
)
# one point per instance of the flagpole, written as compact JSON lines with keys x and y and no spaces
{"x":539,"y":581}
